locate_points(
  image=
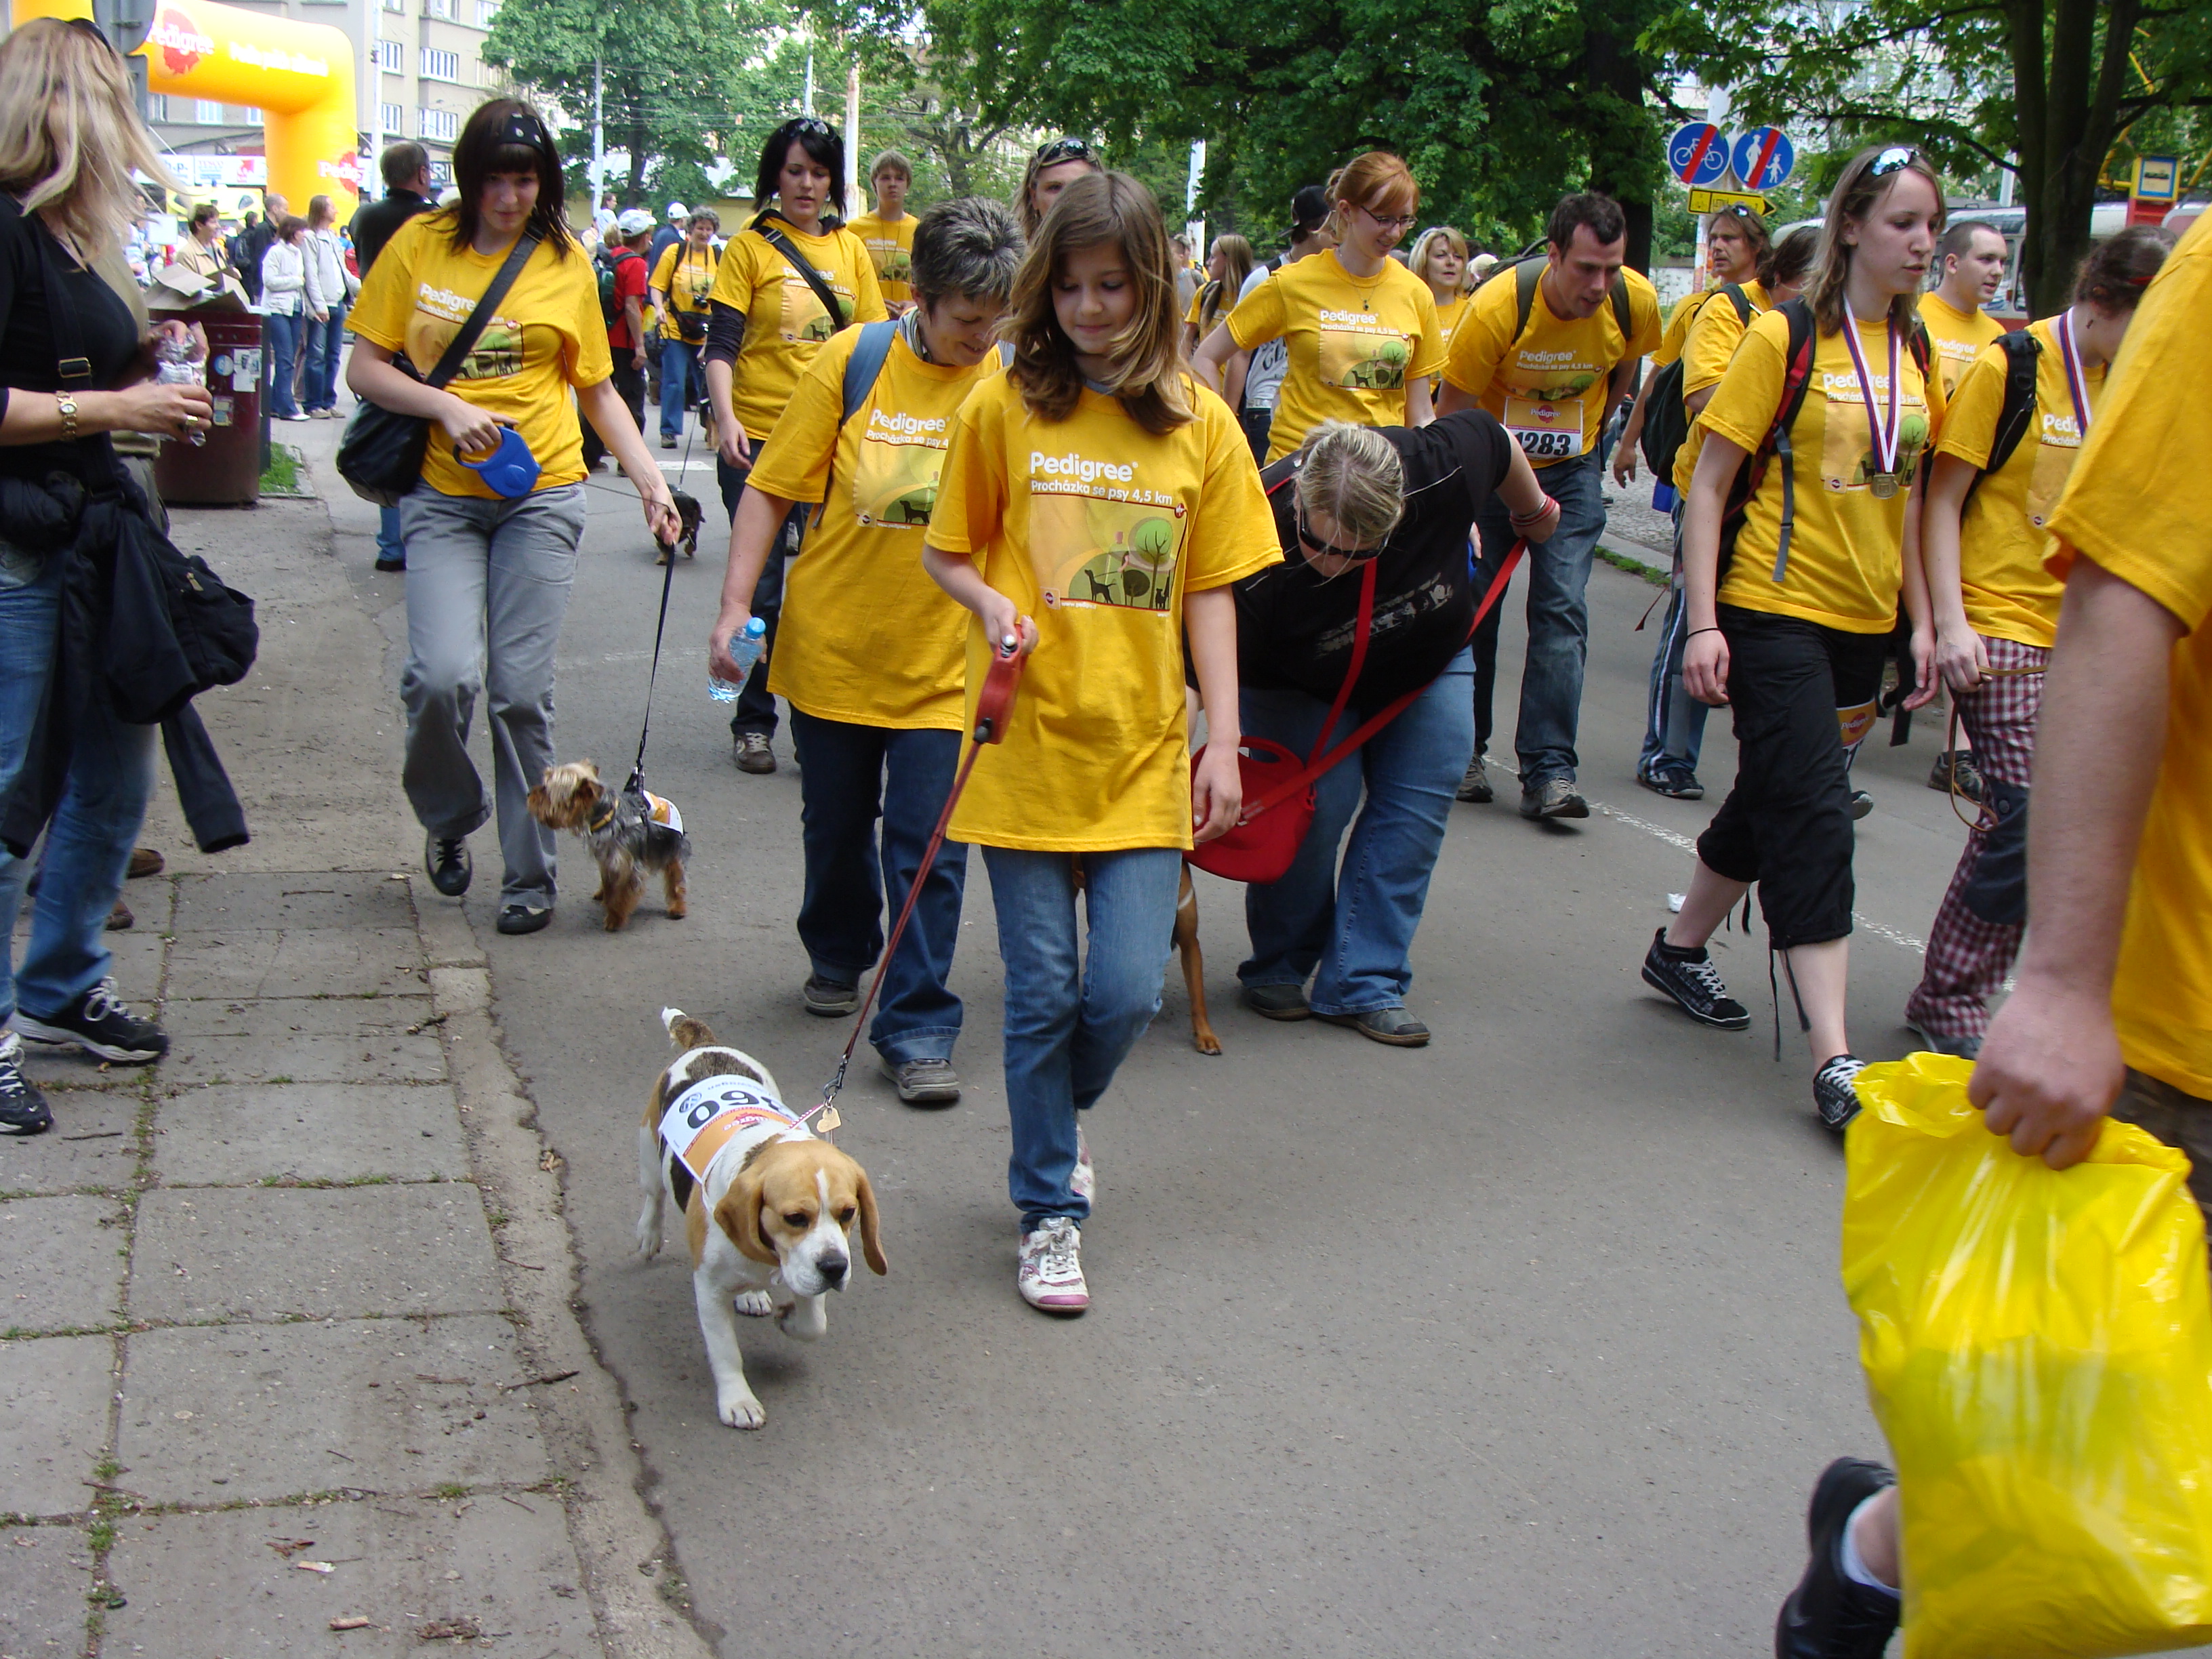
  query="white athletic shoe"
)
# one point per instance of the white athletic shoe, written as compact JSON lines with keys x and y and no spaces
{"x":1085,"y":1181}
{"x":1050,"y":1276}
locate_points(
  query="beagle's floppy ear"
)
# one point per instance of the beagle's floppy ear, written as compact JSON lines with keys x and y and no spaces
{"x":739,"y":1212}
{"x":871,"y":1242}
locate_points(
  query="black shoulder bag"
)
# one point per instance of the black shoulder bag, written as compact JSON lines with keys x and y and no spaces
{"x":381,"y":454}
{"x":781,"y":243}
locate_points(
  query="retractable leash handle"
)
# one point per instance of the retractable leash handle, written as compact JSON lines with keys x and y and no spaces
{"x":996,"y":700}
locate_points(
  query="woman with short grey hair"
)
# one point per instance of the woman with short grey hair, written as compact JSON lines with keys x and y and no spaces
{"x":871,"y":654}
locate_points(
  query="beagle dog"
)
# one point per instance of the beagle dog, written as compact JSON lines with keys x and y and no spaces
{"x":768,"y":1209}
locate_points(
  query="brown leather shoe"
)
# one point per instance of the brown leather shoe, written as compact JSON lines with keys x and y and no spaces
{"x":145,"y":861}
{"x":120,"y":917}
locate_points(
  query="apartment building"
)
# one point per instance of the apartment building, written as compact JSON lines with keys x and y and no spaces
{"x":421,"y":69}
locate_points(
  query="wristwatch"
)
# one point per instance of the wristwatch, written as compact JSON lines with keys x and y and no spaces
{"x":67,"y":404}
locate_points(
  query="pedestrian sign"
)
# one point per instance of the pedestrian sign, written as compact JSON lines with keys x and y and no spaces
{"x":1698,"y":154}
{"x":1762,"y":158}
{"x":2158,"y":179}
{"x":1719,"y":201}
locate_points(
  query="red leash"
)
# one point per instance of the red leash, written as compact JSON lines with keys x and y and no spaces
{"x":991,"y":711}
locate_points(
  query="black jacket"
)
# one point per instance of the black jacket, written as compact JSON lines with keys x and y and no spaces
{"x":245,"y":250}
{"x":374,"y":224}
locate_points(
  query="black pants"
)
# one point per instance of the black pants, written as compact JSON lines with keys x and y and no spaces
{"x":1793,"y":687}
{"x":756,"y":707}
{"x":629,"y":387}
{"x":1258,"y":426}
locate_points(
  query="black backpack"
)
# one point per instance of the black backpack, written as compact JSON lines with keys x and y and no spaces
{"x":611,"y":311}
{"x":2022,"y":350}
{"x":1796,"y":371}
{"x":1666,"y":420}
{"x":1528,"y":269}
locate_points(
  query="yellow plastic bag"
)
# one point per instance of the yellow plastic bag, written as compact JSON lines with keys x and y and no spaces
{"x":2037,"y":1347}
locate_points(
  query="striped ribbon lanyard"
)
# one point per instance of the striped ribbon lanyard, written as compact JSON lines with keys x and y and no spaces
{"x":1884,"y":481}
{"x":2077,"y":386}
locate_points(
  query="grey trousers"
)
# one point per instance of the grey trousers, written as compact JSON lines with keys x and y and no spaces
{"x":488,"y":586}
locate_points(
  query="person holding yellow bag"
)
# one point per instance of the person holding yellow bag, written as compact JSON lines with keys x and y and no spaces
{"x":2111,"y":1012}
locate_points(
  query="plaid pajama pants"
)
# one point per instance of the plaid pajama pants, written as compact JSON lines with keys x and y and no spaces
{"x":1968,"y":957}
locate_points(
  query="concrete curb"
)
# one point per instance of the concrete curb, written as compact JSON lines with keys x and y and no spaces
{"x":637,"y":1593}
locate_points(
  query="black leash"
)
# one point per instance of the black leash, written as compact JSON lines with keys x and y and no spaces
{"x":636,"y":784}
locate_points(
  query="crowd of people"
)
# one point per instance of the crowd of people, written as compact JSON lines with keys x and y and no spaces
{"x":1279,"y":494}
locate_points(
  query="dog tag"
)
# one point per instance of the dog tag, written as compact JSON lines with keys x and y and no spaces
{"x":828,"y":1120}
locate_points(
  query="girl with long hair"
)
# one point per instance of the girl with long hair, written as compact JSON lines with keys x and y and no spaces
{"x":1096,"y":503}
{"x":1362,"y":329}
{"x":1226,"y":267}
{"x":787,"y":282}
{"x":488,"y":576}
{"x":1996,"y":606}
{"x":70,"y":139}
{"x":1788,"y":627}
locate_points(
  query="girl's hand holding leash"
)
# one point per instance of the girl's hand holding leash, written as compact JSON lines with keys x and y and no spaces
{"x":661,"y":515}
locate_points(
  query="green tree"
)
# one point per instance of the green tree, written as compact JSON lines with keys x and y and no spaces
{"x":2044,"y":88}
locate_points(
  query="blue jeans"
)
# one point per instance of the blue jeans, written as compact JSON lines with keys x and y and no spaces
{"x":102,"y":807}
{"x":1074,"y":1015}
{"x":849,"y":775}
{"x":1353,"y":929}
{"x":284,"y":336}
{"x":681,"y":383}
{"x":1674,"y":720}
{"x":326,"y":341}
{"x":389,"y":546}
{"x":1559,"y":620}
{"x":756,"y":705}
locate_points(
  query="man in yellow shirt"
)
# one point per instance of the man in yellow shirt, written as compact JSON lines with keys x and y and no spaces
{"x":2112,"y":1009}
{"x":889,"y":231}
{"x":1551,"y":358}
{"x":1971,"y":258}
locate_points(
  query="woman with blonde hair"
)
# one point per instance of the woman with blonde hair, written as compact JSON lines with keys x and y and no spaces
{"x":1439,"y":258}
{"x":1362,"y":329}
{"x":1375,"y":601}
{"x":1095,"y":503}
{"x":70,"y":139}
{"x":1226,"y":267}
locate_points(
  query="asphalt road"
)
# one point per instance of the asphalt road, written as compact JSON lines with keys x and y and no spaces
{"x":1527,"y":1342}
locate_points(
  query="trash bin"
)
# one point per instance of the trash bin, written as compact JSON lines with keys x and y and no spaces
{"x":226,"y":470}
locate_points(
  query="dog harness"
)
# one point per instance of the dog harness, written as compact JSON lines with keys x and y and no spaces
{"x":715,"y":1116}
{"x":649,"y":822}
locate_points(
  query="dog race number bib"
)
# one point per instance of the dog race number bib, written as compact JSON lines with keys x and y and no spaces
{"x":1545,"y":430}
{"x":706,"y":1116}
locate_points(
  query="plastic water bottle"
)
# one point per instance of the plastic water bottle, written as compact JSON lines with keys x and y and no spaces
{"x":745,"y":647}
{"x":177,"y":365}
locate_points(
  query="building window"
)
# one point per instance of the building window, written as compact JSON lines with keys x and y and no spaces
{"x":157,"y":105}
{"x":490,"y":76}
{"x":396,"y":5}
{"x":437,"y":8}
{"x":392,"y":55}
{"x":247,"y":116}
{"x":440,"y":65}
{"x":487,"y":12}
{"x":207,"y":114}
{"x":393,"y":120}
{"x":440,"y":124}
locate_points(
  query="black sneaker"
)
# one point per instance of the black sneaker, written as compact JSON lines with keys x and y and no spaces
{"x":1862,"y":803}
{"x":449,"y":865}
{"x":828,"y":996}
{"x":1834,"y":1095}
{"x":1691,"y":980}
{"x":1278,"y":1001}
{"x":1828,"y":1616}
{"x":1673,"y":779}
{"x":519,"y":918}
{"x":23,"y":1108}
{"x":99,"y":1023}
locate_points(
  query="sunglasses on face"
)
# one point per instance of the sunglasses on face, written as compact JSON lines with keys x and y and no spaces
{"x":1063,"y":150}
{"x":1893,"y":160}
{"x":1298,"y":519}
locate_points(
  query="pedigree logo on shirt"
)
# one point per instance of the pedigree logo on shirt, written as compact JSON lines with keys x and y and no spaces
{"x":498,"y":354}
{"x":901,"y":457}
{"x":891,"y":426}
{"x":1097,"y":539}
{"x":1553,"y":376}
{"x":1358,"y":350}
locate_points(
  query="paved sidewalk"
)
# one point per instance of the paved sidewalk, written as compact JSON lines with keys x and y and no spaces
{"x":288,"y":1363}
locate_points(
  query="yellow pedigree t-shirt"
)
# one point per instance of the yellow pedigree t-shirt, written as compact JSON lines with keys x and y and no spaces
{"x":866,"y":636}
{"x":1958,"y":337}
{"x":2009,"y":592}
{"x":1677,"y":326}
{"x":547,"y":336}
{"x":1708,"y":343}
{"x":890,"y":247}
{"x":785,"y":321}
{"x":1447,"y":317}
{"x":686,"y":274}
{"x":1099,"y":530}
{"x":1547,"y":388}
{"x":2140,"y":504}
{"x":1847,"y":550}
{"x":1355,"y":344}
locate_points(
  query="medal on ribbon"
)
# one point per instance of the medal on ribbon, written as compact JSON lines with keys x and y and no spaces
{"x":1885,"y":477}
{"x":2076,"y":381}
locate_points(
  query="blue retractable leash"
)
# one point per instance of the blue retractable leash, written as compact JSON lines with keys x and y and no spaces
{"x":511,"y":470}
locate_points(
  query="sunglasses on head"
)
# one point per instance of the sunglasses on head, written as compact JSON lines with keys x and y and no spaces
{"x":1892,"y":160}
{"x":88,"y":27}
{"x":1063,"y":150}
{"x":1736,"y":210}
{"x":813,"y":124}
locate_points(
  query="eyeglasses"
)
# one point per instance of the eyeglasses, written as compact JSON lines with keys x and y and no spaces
{"x":1397,"y":222}
{"x":1063,"y":150}
{"x":1892,"y":160}
{"x":1298,"y":519}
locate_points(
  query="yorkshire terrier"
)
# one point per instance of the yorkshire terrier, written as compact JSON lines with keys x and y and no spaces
{"x":687,"y":511}
{"x":627,"y":836}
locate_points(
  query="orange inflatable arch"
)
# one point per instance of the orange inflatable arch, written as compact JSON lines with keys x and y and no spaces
{"x":301,"y":75}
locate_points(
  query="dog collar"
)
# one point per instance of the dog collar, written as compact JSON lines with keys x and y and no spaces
{"x":605,"y":814}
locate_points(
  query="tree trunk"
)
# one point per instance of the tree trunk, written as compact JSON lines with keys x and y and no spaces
{"x":1619,"y":163}
{"x":2066,"y":125}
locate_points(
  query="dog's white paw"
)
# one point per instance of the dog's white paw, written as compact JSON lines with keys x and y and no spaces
{"x":648,"y":1237}
{"x":740,"y":1410}
{"x":754,"y":1305}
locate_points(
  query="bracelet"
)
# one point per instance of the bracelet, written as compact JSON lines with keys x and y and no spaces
{"x":67,"y":404}
{"x":1518,"y":520}
{"x":1694,"y":632}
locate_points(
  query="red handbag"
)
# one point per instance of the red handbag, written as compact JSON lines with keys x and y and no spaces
{"x":1279,"y":803}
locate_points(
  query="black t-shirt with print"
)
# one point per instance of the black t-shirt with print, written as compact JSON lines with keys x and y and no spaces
{"x":30,"y":353}
{"x":1295,"y":627}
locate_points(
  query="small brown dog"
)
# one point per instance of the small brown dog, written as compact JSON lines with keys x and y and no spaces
{"x":1193,"y":967}
{"x":687,"y":514}
{"x":627,"y":837}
